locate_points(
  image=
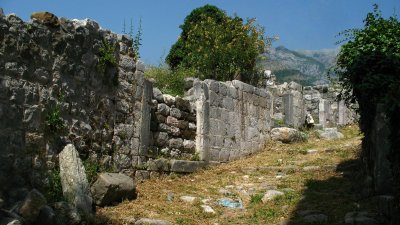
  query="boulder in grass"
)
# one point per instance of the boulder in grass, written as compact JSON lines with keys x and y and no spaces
{"x":112,"y":188}
{"x":287,"y":135}
{"x":330,"y":134}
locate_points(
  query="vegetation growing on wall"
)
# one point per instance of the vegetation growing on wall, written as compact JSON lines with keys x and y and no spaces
{"x":169,"y":81}
{"x":368,"y":66}
{"x":218,"y":46}
{"x":137,"y":38}
{"x":53,"y":120}
{"x":107,"y":60}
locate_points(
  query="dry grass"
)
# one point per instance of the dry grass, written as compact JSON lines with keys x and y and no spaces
{"x":324,"y":188}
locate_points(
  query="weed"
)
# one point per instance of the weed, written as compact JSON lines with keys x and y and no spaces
{"x":54,"y":191}
{"x":168,"y":81}
{"x":279,"y":122}
{"x":264,"y":213}
{"x":256,"y":199}
{"x":195,"y":157}
{"x":91,"y":169}
{"x":107,"y":59}
{"x":182,"y":221}
{"x":53,"y":122}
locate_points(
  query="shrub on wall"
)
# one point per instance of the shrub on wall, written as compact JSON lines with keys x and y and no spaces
{"x":368,"y":66}
{"x":169,"y":81}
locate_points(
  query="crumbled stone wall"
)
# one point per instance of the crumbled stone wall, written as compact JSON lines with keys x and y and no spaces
{"x":321,"y":102}
{"x":49,"y":76}
{"x":173,"y":126}
{"x":292,"y":103}
{"x":233,"y":119}
{"x":288,"y":107}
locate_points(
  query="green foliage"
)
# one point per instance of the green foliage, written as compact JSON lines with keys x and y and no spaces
{"x":107,"y":57}
{"x":137,"y":38}
{"x":54,"y":192}
{"x":169,"y":81}
{"x":256,"y":199}
{"x":91,"y":169}
{"x":368,"y":66}
{"x":218,"y":46}
{"x":195,"y":157}
{"x":53,"y":120}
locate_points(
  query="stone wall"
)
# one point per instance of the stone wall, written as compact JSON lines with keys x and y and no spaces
{"x":233,"y":119}
{"x":322,"y":103}
{"x":292,"y":103}
{"x":53,"y":93}
{"x":173,"y":126}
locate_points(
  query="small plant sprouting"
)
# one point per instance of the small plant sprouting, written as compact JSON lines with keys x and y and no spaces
{"x":137,"y":38}
{"x":91,"y":169}
{"x":257,"y":198}
{"x":107,"y":57}
{"x":54,"y":192}
{"x":54,"y":123}
{"x":195,"y":157}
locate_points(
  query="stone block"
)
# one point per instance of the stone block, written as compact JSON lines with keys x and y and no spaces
{"x":111,"y":188}
{"x":189,"y":145}
{"x":127,"y":63}
{"x":163,"y":109}
{"x":227,"y":103}
{"x":214,"y":85}
{"x":161,"y":165}
{"x":233,"y":92}
{"x":175,"y":112}
{"x":182,"y":124}
{"x":160,"y":139}
{"x":73,"y":180}
{"x":172,"y":121}
{"x":157,"y":94}
{"x":184,"y":166}
{"x":223,"y":89}
{"x":182,"y":104}
{"x":169,"y":100}
{"x":175,"y":143}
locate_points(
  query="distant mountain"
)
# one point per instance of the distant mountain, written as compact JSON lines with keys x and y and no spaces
{"x":308,"y":67}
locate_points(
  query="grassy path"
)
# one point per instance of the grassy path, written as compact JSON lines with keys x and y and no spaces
{"x":318,"y":179}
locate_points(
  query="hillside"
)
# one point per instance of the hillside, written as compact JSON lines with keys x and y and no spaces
{"x":308,"y":67}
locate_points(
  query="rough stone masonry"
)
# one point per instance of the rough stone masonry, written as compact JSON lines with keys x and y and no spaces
{"x":57,"y":88}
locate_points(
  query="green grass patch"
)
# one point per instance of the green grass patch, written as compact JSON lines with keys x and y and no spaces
{"x":169,"y":81}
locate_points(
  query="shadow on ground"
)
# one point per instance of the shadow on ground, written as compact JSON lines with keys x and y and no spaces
{"x":328,"y":201}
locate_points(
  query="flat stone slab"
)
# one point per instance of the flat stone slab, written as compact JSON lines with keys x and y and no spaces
{"x":111,"y":188}
{"x":185,"y":166}
{"x":270,"y":195}
{"x":147,"y":221}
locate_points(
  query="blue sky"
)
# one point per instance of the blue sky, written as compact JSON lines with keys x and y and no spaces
{"x":300,"y":24}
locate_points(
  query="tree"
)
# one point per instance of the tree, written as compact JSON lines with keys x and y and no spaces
{"x":218,"y":46}
{"x":368,"y":66}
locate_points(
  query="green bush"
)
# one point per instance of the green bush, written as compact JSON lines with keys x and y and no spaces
{"x":91,"y":169}
{"x":168,"y":81}
{"x":54,"y":191}
{"x":53,"y":120}
{"x":106,"y":60}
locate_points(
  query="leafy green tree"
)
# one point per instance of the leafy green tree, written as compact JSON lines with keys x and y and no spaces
{"x":218,"y":46}
{"x":368,"y":66}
